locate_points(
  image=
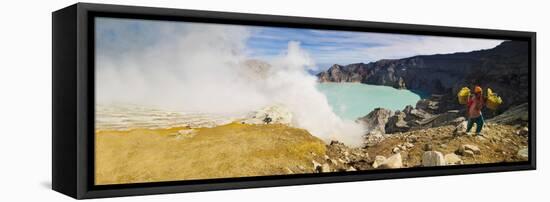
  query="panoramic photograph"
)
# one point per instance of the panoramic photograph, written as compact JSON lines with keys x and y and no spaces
{"x":178,"y":101}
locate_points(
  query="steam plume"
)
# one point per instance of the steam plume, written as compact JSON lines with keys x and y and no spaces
{"x":198,"y":69}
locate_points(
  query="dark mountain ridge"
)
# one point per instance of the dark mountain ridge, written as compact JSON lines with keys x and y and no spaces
{"x":503,"y":68}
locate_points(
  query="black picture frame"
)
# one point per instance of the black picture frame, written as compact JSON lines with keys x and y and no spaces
{"x":73,"y":100}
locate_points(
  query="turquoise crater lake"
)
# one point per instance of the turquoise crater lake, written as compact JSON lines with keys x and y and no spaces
{"x":353,"y":100}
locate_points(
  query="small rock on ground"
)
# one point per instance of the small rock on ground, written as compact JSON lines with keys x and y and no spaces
{"x":433,"y":158}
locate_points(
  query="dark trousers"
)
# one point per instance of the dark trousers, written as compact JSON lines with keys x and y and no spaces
{"x":478,"y":121}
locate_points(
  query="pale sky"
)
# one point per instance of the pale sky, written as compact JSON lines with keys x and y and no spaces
{"x":117,"y":36}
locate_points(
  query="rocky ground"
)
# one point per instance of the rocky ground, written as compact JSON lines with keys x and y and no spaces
{"x":439,"y":146}
{"x":419,"y":137}
{"x":432,"y":133}
{"x":264,"y":143}
{"x":183,"y":153}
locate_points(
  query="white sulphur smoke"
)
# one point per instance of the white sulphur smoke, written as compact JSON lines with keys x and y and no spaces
{"x":199,"y":70}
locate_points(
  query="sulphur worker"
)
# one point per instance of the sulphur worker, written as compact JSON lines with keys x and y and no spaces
{"x":474,"y":106}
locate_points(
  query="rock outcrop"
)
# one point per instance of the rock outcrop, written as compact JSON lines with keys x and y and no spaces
{"x":378,"y":160}
{"x":376,"y":120}
{"x":524,"y":131}
{"x":433,"y":158}
{"x":383,"y":121}
{"x":453,"y":159}
{"x":523,"y":153}
{"x":428,"y":105}
{"x":461,"y":128}
{"x":275,"y":114}
{"x":344,"y":158}
{"x":515,"y":115}
{"x":397,"y":123}
{"x":348,"y":73}
{"x":392,"y":162}
{"x":468,"y":150}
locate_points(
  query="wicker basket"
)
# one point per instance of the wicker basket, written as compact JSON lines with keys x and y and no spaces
{"x":463,"y":95}
{"x":493,"y":100}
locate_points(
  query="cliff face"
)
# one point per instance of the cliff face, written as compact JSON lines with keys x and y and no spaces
{"x":503,"y":68}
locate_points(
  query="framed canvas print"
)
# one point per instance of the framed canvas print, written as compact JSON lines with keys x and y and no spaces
{"x":154,"y":100}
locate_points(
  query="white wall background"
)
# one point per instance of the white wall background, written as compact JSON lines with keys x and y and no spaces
{"x":25,"y":99}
